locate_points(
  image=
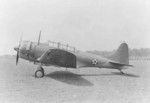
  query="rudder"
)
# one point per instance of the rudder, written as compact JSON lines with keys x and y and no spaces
{"x":121,"y":55}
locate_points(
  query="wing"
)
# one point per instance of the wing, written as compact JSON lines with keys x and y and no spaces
{"x":58,"y":57}
{"x":120,"y":64}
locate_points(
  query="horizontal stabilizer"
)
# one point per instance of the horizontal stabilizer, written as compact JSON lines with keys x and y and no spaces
{"x":120,"y":64}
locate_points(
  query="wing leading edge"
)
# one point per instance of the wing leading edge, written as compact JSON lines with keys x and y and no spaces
{"x":58,"y":57}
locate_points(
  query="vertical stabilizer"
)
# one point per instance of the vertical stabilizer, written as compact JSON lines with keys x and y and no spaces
{"x":121,"y":55}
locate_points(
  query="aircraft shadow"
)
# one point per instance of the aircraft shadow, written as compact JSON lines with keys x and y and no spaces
{"x":69,"y":78}
{"x":112,"y":73}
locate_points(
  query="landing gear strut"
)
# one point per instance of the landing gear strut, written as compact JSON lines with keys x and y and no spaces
{"x":121,"y":72}
{"x":40,"y":72}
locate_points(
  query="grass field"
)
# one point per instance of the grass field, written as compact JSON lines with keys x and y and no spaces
{"x":87,"y":85}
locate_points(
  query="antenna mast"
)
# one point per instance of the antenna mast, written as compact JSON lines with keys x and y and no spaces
{"x":39,"y":37}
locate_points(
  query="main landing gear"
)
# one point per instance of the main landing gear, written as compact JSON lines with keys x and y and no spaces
{"x":121,"y":72}
{"x":40,"y":72}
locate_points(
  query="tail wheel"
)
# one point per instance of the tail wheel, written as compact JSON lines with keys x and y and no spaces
{"x":39,"y":73}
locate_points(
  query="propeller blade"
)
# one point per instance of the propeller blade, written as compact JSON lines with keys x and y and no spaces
{"x":17,"y":57}
{"x":20,"y":39}
{"x":18,"y":49}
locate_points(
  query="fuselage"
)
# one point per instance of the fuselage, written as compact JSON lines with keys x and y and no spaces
{"x":31,"y":51}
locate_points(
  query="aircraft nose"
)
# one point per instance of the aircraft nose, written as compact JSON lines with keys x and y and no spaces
{"x":16,"y":48}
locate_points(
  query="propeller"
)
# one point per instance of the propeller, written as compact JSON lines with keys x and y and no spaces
{"x":17,"y":57}
{"x":18,"y":50}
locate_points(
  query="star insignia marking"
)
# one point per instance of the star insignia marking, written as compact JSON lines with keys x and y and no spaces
{"x":94,"y":61}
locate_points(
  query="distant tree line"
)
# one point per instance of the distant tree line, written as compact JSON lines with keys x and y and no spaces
{"x":142,"y":52}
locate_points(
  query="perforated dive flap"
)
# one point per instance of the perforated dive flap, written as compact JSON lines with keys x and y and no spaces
{"x":62,"y":58}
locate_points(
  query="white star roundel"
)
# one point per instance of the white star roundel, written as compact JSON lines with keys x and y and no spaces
{"x":94,"y":61}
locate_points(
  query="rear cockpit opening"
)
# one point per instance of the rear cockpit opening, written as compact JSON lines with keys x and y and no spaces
{"x":59,"y":45}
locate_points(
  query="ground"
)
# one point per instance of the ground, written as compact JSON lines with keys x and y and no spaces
{"x":87,"y":85}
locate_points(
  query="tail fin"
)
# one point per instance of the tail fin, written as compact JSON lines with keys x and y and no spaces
{"x":121,"y":55}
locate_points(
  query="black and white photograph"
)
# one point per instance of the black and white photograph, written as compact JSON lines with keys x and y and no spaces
{"x":74,"y":51}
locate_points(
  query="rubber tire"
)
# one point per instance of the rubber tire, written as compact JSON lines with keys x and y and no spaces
{"x":39,"y":71}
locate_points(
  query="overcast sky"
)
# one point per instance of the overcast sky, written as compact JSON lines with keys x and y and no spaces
{"x":85,"y":24}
